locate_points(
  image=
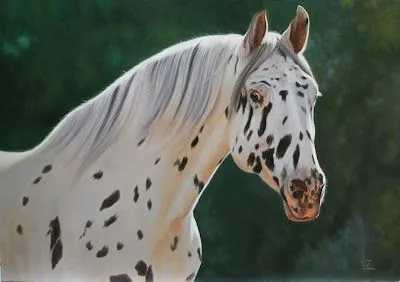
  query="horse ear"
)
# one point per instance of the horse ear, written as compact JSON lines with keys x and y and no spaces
{"x":255,"y":34}
{"x":296,"y":35}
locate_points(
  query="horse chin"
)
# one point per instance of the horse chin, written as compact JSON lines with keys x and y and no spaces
{"x":291,"y":216}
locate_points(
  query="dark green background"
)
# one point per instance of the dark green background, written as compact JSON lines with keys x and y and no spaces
{"x":54,"y":54}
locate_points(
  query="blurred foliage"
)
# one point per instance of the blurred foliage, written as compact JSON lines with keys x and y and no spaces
{"x":55,"y":54}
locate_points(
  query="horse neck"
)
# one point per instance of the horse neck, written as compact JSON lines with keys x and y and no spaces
{"x":195,"y":164}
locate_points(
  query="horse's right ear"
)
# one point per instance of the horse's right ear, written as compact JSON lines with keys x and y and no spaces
{"x":255,"y":34}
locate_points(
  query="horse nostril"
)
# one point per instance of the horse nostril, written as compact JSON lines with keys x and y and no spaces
{"x":298,"y":194}
{"x":299,"y":188}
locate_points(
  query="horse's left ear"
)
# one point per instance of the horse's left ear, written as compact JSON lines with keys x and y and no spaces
{"x":255,"y":34}
{"x":296,"y":35}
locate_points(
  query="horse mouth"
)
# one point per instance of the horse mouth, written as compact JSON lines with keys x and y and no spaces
{"x":291,"y":214}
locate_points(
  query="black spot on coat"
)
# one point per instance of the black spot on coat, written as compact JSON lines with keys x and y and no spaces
{"x":120,"y":278}
{"x":283,"y":94}
{"x":89,"y":245}
{"x":141,"y":268}
{"x":141,"y":141}
{"x":148,"y":183}
{"x":149,"y":204}
{"x":135,"y":194}
{"x":19,"y":229}
{"x":246,"y":127}
{"x":174,"y":245}
{"x":25,"y":201}
{"x":263,"y":123}
{"x":110,"y":221}
{"x":268,"y":156}
{"x":98,"y":175}
{"x":257,"y":167}
{"x":198,"y":184}
{"x":47,"y":168}
{"x":102,"y":252}
{"x":110,"y":200}
{"x":37,"y":180}
{"x":120,"y":246}
{"x":194,"y":142}
{"x":140,"y":234}
{"x":56,"y":246}
{"x":250,"y":159}
{"x":296,"y":156}
{"x":283,"y":145}
{"x":149,"y":275}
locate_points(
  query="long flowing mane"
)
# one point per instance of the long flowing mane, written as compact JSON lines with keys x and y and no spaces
{"x":161,"y":101}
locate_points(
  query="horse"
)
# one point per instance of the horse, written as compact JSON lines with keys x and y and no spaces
{"x":109,"y":193}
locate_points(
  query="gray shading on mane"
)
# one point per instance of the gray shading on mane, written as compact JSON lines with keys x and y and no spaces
{"x":164,"y":99}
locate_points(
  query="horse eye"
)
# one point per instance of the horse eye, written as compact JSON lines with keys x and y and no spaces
{"x":256,"y":97}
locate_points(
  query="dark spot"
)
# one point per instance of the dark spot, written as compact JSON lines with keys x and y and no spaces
{"x":25,"y":201}
{"x":303,"y":77}
{"x":198,"y":184}
{"x":283,"y":145}
{"x":174,"y":245}
{"x":110,"y":200}
{"x":270,"y":139}
{"x":263,"y":122}
{"x":157,"y":160}
{"x":110,"y":221}
{"x":37,"y":180}
{"x":246,"y":127}
{"x":303,"y":109}
{"x":135,"y":194}
{"x":87,"y":225}
{"x":310,"y":205}
{"x":149,"y":204}
{"x":257,"y":167}
{"x":249,"y":135}
{"x":47,"y":168}
{"x":199,"y":254}
{"x":266,"y":83}
{"x":296,"y":156}
{"x":242,"y":103}
{"x":182,"y":164}
{"x":98,"y":175}
{"x":284,"y":120}
{"x":102,"y":252}
{"x":56,"y":246}
{"x":141,"y":141}
{"x":189,"y":254}
{"x":148,"y":183}
{"x":89,"y":245}
{"x":140,"y":234}
{"x":313,"y":160}
{"x":20,"y":231}
{"x":298,"y":194}
{"x":141,"y":268}
{"x":226,"y":111}
{"x":194,"y":142}
{"x":257,"y":146}
{"x":237,"y":60}
{"x":190,"y":277}
{"x":283,"y":94}
{"x":120,"y":278}
{"x":250,"y":159}
{"x":308,"y":135}
{"x":300,"y":94}
{"x":201,"y":128}
{"x":240,"y":149}
{"x":149,"y":275}
{"x":284,"y":173}
{"x":301,"y":135}
{"x":268,"y":156}
{"x":276,"y":180}
{"x":119,"y":246}
{"x":298,"y":84}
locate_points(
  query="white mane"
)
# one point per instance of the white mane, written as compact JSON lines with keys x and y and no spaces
{"x":164,"y":99}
